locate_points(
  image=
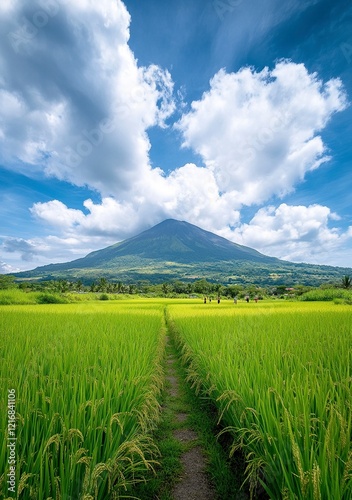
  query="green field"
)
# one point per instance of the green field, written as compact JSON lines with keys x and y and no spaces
{"x":280,"y":376}
{"x":87,"y":379}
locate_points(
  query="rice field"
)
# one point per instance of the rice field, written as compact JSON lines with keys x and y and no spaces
{"x":280,"y":376}
{"x":83,"y":381}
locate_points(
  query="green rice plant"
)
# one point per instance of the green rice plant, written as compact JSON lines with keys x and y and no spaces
{"x":327,"y":294}
{"x":87,"y":379}
{"x":280,"y":375}
{"x":16,"y":296}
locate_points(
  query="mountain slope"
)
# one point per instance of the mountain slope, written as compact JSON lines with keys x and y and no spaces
{"x":178,"y":241}
{"x":179,"y":250}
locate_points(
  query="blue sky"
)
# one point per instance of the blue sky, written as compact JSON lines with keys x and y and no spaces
{"x":233,"y":115}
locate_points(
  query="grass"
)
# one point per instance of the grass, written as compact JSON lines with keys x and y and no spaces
{"x":280,"y":377}
{"x":169,"y":468}
{"x":87,"y":379}
{"x":338,"y":295}
{"x":15,"y":296}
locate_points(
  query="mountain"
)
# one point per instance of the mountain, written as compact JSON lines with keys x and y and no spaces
{"x":179,"y":250}
{"x":174,"y":241}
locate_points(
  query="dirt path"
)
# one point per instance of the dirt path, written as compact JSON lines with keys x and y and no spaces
{"x":193,"y":464}
{"x":194,"y":483}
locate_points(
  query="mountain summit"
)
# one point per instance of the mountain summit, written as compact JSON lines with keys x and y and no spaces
{"x":178,"y":241}
{"x":179,"y":250}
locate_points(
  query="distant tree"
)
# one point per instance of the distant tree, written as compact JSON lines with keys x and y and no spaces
{"x":253,"y":290}
{"x":180,"y":287}
{"x":102,"y":285}
{"x":6,"y":281}
{"x":202,"y":286}
{"x":233,"y":290}
{"x":55,"y":286}
{"x":79,"y":286}
{"x":346,"y":282}
{"x":165,"y":288}
{"x":63,"y":286}
{"x":132,"y":288}
{"x":280,"y":290}
{"x":144,"y":286}
{"x":112,"y":288}
{"x":217,"y":288}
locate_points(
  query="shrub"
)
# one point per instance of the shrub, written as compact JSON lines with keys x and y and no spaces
{"x":50,"y":298}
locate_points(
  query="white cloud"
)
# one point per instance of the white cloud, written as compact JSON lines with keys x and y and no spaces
{"x":8,"y":5}
{"x":82,"y":112}
{"x":6,"y":268}
{"x":295,"y":233}
{"x":108,"y":218}
{"x":25,"y":248}
{"x":23,"y":254}
{"x":86,"y":120}
{"x":258,"y":132}
{"x":56,"y":213}
{"x":194,"y":196}
{"x":188,"y":193}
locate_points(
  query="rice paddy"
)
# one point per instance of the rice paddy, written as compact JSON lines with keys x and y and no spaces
{"x":280,"y":376}
{"x":87,"y":380}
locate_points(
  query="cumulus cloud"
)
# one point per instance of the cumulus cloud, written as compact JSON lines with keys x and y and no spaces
{"x":85,"y":105}
{"x":38,"y":251}
{"x":6,"y":268}
{"x":188,"y":193}
{"x":56,"y":213}
{"x":108,"y":218}
{"x":25,"y":248}
{"x":194,"y":196}
{"x":258,"y":132}
{"x":295,"y":233}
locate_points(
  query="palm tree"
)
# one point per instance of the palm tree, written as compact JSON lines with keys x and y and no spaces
{"x":165,"y":288}
{"x":79,"y":285}
{"x":346,"y":282}
{"x":102,"y":285}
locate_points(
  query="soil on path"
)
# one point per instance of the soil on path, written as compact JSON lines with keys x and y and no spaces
{"x":194,"y":483}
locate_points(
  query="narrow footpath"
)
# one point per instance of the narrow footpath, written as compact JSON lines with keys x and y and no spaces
{"x":194,"y":483}
{"x":192,"y":465}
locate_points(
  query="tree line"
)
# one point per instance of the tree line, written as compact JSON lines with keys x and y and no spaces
{"x":172,"y":288}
